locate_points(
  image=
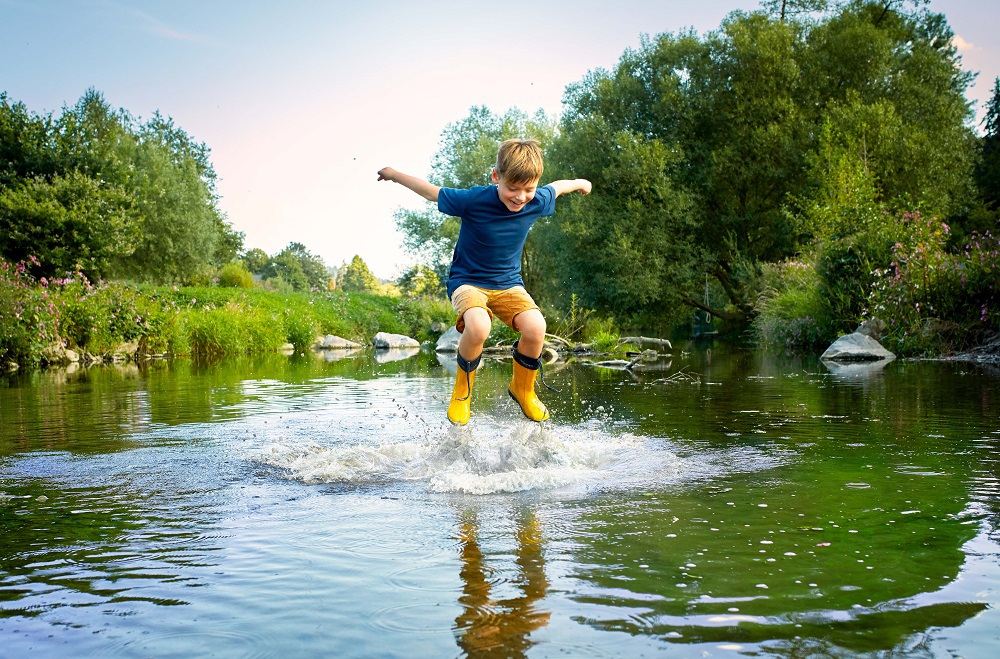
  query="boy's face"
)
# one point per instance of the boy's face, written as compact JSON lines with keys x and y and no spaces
{"x":514,"y":195}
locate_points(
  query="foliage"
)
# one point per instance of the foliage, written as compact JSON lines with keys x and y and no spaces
{"x":747,"y":117}
{"x":420,"y":281}
{"x":357,"y":278}
{"x":102,"y":318}
{"x":94,"y":187}
{"x":235,"y":275}
{"x":29,"y":315}
{"x":792,"y":312}
{"x":465,"y":157}
{"x":256,"y":260}
{"x":295,"y":266}
{"x":934,"y":300}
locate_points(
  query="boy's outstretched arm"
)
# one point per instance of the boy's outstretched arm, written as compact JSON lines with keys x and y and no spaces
{"x":420,"y":186}
{"x":581,"y":185}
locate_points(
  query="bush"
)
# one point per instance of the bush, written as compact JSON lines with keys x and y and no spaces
{"x":925,"y":287}
{"x":235,"y":275}
{"x":29,"y":314}
{"x":792,"y":312}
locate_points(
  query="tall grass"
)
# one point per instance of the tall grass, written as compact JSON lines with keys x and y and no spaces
{"x":101,"y":318}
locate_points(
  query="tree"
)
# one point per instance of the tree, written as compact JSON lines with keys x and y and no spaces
{"x":988,"y":168}
{"x":298,"y":267}
{"x":420,"y":281}
{"x":67,"y":222}
{"x":122,"y":199}
{"x":355,"y":277}
{"x":740,"y":111}
{"x":256,"y":259}
{"x":465,"y":158}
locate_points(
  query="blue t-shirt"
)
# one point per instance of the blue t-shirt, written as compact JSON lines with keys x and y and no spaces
{"x":491,"y":237}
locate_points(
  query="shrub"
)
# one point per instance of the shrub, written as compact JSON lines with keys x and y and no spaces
{"x":792,"y":312}
{"x":235,"y":275}
{"x":29,"y":314}
{"x":925,"y":286}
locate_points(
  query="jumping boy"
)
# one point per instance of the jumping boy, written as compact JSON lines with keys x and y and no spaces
{"x":485,"y":276}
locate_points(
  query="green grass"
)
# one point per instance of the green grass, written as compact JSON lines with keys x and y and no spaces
{"x":209,"y":321}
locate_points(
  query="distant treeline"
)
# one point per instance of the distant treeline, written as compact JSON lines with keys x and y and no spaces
{"x":94,"y":188}
{"x":794,"y":171}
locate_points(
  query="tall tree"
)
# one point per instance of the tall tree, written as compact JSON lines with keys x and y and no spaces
{"x":357,"y":278}
{"x":988,"y":169}
{"x":465,"y":157}
{"x":742,"y":110}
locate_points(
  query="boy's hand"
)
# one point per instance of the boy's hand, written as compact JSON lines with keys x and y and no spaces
{"x":420,"y":186}
{"x":580,"y":185}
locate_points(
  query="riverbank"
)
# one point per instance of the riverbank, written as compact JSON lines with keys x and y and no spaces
{"x":73,"y":320}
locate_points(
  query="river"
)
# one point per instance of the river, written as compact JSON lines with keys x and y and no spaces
{"x":728,"y":503}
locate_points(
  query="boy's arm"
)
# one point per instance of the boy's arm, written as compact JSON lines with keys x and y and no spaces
{"x":420,"y":186}
{"x":581,"y":185}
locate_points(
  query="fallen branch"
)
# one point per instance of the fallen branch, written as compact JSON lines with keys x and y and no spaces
{"x":639,"y":340}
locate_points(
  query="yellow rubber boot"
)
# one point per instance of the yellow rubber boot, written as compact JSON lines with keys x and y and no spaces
{"x":522,"y":386}
{"x":460,"y":408}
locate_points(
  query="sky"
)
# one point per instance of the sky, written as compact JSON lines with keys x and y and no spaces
{"x":302,"y":102}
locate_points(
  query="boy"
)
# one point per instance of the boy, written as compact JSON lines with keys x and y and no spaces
{"x":485,"y":277}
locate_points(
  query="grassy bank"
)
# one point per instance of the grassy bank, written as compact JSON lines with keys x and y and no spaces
{"x":38,"y":318}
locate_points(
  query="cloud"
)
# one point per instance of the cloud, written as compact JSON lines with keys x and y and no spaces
{"x":962,"y":45}
{"x":148,"y":23}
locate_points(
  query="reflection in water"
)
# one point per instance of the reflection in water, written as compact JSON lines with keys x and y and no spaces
{"x":769,"y":506}
{"x":489,"y":626}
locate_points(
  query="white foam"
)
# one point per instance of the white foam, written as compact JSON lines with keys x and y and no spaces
{"x":496,"y":456}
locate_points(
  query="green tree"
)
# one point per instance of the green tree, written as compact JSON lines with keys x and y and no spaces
{"x":256,"y":259}
{"x":742,"y":110}
{"x":988,"y":168}
{"x":66,"y":222}
{"x":355,"y":277}
{"x":420,"y":281}
{"x":298,"y":267}
{"x":465,"y":158}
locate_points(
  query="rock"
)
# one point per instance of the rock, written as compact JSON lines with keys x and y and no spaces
{"x":872,"y":327}
{"x":56,"y":354}
{"x":448,"y":342}
{"x":286,"y":348}
{"x":395,"y":354}
{"x":856,"y":347}
{"x":331,"y":342}
{"x":11,"y":366}
{"x":385,"y":341}
{"x":124,"y":352}
{"x":335,"y":355}
{"x":72,"y":356}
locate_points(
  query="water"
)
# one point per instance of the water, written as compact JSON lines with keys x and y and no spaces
{"x":303,"y":507}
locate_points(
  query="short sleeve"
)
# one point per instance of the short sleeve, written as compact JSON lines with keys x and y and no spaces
{"x":547,"y":195}
{"x":452,"y":201}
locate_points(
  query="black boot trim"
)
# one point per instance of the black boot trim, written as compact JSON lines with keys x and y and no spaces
{"x":467,"y":365}
{"x":532,"y":364}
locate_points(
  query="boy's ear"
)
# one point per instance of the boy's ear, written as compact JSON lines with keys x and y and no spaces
{"x":494,"y":177}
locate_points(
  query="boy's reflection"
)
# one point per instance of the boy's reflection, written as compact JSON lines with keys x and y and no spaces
{"x":490,"y":627}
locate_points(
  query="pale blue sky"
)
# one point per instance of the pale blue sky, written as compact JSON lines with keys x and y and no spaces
{"x":302,"y":102}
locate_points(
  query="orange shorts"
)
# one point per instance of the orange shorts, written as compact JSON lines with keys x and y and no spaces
{"x":505,"y":304}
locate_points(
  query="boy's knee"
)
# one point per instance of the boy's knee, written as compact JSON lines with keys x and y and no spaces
{"x":477,"y":324}
{"x":531,"y":324}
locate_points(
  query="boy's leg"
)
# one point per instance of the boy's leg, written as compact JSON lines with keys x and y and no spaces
{"x":474,"y":322}
{"x":527,"y":351}
{"x":531,"y":325}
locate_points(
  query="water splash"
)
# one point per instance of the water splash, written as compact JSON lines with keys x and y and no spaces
{"x":497,"y":455}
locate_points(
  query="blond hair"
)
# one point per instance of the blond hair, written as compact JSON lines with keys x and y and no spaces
{"x":519,"y":161}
